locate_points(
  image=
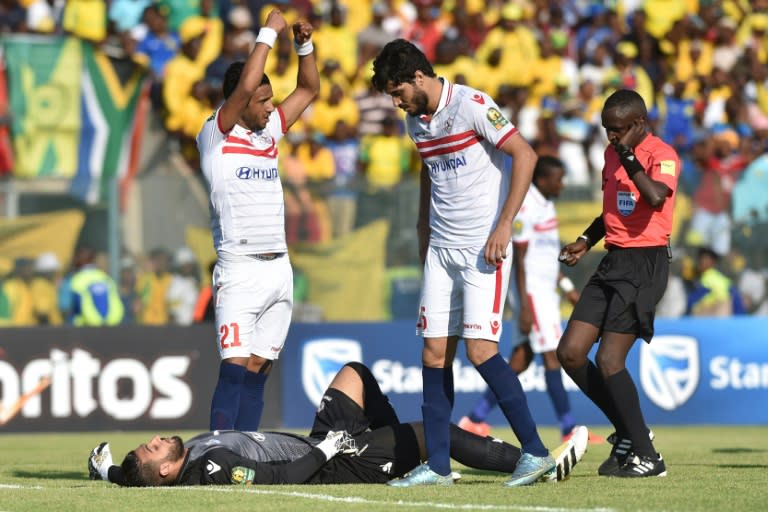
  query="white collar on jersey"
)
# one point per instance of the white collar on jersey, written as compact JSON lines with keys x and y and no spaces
{"x":445,"y":95}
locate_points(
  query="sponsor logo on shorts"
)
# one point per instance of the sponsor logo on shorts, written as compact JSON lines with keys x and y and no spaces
{"x":670,"y":370}
{"x":320,"y":361}
{"x":495,"y":326}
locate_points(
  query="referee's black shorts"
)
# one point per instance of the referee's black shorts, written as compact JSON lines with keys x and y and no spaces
{"x":622,"y":294}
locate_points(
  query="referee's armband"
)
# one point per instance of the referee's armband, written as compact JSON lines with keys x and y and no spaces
{"x":566,"y":285}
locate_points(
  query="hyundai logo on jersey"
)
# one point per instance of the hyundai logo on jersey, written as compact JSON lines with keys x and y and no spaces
{"x":322,"y":359}
{"x":447,"y":165}
{"x":253,"y":173}
{"x":670,"y":370}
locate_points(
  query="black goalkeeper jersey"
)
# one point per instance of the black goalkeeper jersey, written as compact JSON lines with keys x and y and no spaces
{"x":231,"y":457}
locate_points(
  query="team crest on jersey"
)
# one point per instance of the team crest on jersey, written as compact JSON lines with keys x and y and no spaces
{"x":496,"y":118}
{"x":517,"y":227}
{"x":242,"y":476}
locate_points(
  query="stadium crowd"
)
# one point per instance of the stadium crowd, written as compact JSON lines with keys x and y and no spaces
{"x":700,"y":65}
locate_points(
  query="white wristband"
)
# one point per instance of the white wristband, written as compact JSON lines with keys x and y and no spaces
{"x":303,"y":49}
{"x":566,"y":285}
{"x":328,"y":447}
{"x":268,"y":36}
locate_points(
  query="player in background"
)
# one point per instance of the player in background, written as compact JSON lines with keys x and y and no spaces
{"x":467,"y":205}
{"x":618,"y":304}
{"x":252,"y":279}
{"x":536,"y":245}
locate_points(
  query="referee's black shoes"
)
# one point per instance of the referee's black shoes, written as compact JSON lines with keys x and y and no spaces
{"x":620,"y":454}
{"x":638,"y":466}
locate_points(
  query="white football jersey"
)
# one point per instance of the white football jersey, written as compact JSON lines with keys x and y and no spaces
{"x":459,"y":146}
{"x":536,"y":225}
{"x":246,"y":195}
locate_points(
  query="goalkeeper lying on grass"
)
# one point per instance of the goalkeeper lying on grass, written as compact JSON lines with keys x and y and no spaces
{"x":356,"y":438}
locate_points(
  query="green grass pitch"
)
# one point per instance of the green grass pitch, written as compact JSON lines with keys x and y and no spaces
{"x":710,"y":469}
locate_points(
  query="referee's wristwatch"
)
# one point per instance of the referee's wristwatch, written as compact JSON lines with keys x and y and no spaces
{"x":585,"y":238}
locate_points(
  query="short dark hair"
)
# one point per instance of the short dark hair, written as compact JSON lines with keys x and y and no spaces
{"x":626,"y":100}
{"x":232,"y":76}
{"x":398,"y":62}
{"x":137,"y":474}
{"x":545,"y":165}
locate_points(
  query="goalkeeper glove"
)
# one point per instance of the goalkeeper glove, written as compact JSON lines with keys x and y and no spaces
{"x":99,"y":462}
{"x":337,"y":442}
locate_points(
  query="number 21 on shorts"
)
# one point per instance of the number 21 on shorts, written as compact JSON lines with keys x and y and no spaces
{"x":229,"y":335}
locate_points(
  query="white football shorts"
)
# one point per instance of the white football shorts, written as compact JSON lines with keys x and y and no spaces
{"x":546,"y":330}
{"x":462,"y":295}
{"x":253,"y":302}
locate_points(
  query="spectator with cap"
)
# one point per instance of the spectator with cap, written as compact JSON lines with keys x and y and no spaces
{"x":201,"y":40}
{"x":44,"y":287}
{"x":517,"y":44}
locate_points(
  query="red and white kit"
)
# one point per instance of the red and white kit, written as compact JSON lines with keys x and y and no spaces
{"x":459,"y":145}
{"x":253,"y":296}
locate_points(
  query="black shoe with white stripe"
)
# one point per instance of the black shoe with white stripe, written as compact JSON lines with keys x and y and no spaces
{"x":620,"y":453}
{"x":638,"y":466}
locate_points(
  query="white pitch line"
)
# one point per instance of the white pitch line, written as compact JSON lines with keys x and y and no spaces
{"x":350,"y":499}
{"x":410,"y":504}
